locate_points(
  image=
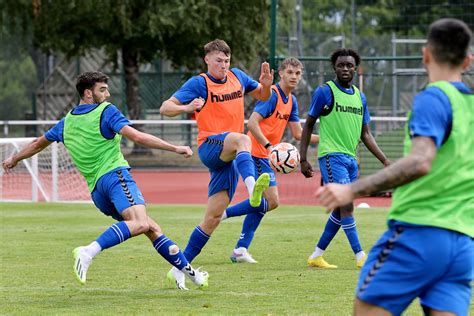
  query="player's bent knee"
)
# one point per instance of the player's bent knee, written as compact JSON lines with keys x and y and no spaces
{"x":141,"y":227}
{"x":211,"y":222}
{"x":243,"y":141}
{"x":273,"y":204}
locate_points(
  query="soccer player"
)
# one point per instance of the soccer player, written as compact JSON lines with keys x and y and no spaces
{"x":217,"y":99}
{"x":344,"y":116}
{"x":91,"y":132}
{"x":428,"y":250}
{"x":266,"y":127}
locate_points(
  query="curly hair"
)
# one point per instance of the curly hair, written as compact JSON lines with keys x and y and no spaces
{"x":344,"y":52}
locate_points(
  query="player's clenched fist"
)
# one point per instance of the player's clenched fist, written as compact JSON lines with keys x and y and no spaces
{"x":186,"y":151}
{"x":195,"y":105}
{"x":8,"y":164}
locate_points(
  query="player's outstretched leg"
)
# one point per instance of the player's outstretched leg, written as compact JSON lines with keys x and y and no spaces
{"x":82,"y":261}
{"x":181,"y":267}
{"x":250,"y":225}
{"x":114,"y":235}
{"x":261,"y":185}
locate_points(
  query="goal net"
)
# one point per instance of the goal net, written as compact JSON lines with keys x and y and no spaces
{"x":48,"y":176}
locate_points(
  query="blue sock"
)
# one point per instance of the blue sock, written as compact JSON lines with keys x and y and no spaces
{"x":330,"y":230}
{"x":197,"y":241}
{"x":349,"y":226}
{"x":249,"y":227}
{"x":244,"y":208}
{"x":173,"y":255}
{"x":114,"y":235}
{"x":245,"y":164}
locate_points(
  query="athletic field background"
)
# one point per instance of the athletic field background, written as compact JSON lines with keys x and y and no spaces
{"x":36,"y":275}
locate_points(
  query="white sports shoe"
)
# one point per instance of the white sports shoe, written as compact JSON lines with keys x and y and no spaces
{"x":177,"y":278}
{"x":242,"y":255}
{"x":82,"y":261}
{"x":200,"y":278}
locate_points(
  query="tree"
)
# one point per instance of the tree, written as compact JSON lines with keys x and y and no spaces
{"x":18,"y":79}
{"x":142,"y":30}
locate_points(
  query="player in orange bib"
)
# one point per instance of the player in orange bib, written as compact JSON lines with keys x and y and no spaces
{"x":217,"y":100}
{"x":266,"y":127}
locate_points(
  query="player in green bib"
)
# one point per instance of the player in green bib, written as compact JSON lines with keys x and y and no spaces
{"x":344,"y":122}
{"x":428,"y":250}
{"x":92,"y":132}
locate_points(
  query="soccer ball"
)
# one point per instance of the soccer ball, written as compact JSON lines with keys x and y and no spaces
{"x":284,"y":158}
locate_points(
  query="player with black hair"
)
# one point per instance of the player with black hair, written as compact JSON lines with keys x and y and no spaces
{"x":344,"y":117}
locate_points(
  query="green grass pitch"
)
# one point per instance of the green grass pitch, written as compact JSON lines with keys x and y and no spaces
{"x":36,"y":264}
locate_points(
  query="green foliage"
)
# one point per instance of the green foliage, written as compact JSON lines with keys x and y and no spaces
{"x":36,"y":265}
{"x":373,"y":19}
{"x":16,"y":16}
{"x":18,"y":79}
{"x":413,"y":18}
{"x":151,"y":28}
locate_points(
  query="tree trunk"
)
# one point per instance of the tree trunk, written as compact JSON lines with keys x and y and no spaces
{"x":131,"y":66}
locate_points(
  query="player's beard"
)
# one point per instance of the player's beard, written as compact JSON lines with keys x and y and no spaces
{"x":97,"y":99}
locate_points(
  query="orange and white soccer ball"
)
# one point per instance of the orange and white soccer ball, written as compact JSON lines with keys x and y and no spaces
{"x":284,"y":158}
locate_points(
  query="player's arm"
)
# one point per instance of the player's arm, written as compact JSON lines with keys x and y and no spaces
{"x":296,"y":131}
{"x":173,"y":106}
{"x":306,"y":168}
{"x":415,"y":165}
{"x":369,"y":141}
{"x":151,"y":141}
{"x":29,"y":150}
{"x":254,"y":128}
{"x":263,"y":91}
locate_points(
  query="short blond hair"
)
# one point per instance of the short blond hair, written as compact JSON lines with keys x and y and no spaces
{"x":291,"y":61}
{"x":217,"y":45}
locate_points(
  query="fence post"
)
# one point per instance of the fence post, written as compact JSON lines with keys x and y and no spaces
{"x":54,"y":171}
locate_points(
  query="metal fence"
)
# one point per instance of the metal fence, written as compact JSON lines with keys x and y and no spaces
{"x":388,"y":132}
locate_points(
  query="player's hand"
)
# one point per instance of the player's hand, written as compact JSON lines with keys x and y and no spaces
{"x":185,"y":151}
{"x":8,"y":164}
{"x":195,"y":105}
{"x":306,"y":169}
{"x":266,"y":75}
{"x":334,"y":195}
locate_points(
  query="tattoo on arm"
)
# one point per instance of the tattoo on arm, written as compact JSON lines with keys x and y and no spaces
{"x":405,"y":170}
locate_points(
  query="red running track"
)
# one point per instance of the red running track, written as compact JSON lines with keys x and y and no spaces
{"x":190,"y":187}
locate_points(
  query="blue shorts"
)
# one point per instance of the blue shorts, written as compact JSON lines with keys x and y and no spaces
{"x":411,"y":261}
{"x":262,"y":165}
{"x":224,"y":175}
{"x":338,"y":168}
{"x":116,"y":191}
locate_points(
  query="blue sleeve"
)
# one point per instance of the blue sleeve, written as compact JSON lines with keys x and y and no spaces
{"x":194,"y":88}
{"x":247,"y":82}
{"x":266,"y":108}
{"x":294,"y":115}
{"x":55,"y":133}
{"x":431,"y":115}
{"x":112,"y":121}
{"x":321,"y":98}
{"x":366,"y":116}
